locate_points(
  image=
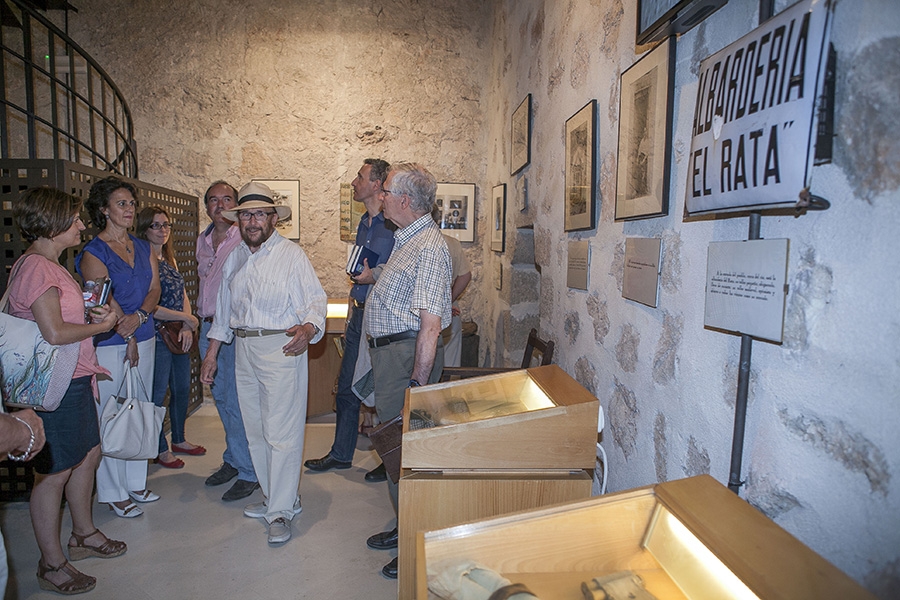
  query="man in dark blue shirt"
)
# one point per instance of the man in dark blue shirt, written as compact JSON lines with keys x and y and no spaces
{"x":377,"y":235}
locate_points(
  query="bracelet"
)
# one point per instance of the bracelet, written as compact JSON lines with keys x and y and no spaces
{"x":128,"y":339}
{"x":142,"y":314}
{"x":414,"y":383}
{"x":24,"y":456}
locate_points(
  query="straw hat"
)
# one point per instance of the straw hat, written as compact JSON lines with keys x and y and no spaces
{"x":256,"y":195}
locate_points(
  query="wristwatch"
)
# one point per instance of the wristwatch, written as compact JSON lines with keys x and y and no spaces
{"x":414,"y":383}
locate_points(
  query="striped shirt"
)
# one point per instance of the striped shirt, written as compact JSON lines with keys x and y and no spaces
{"x":272,"y":288}
{"x":209,"y":267}
{"x":415,"y":278}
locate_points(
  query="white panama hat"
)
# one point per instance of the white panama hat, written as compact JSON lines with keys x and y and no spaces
{"x":255,"y":195}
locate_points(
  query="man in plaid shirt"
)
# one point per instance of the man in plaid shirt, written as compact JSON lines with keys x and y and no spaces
{"x":408,"y":306}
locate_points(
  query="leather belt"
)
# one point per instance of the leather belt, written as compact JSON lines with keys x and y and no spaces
{"x":358,"y":304}
{"x":243,"y":333}
{"x":385,"y":340}
{"x":206,"y":319}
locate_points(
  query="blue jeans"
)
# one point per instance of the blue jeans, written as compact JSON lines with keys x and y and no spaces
{"x":224,"y":391}
{"x":172,"y":372}
{"x":346,"y":428}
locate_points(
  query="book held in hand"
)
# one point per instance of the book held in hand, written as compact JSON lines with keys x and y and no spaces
{"x":355,"y":264}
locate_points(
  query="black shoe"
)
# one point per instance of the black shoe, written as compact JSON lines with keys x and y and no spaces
{"x":225,"y":474}
{"x":325,"y":463}
{"x":241,"y":489}
{"x":390,"y":570}
{"x":377,"y":474}
{"x":386,"y":540}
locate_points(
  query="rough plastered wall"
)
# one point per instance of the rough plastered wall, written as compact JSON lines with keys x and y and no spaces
{"x":296,"y":89}
{"x":821,"y":455}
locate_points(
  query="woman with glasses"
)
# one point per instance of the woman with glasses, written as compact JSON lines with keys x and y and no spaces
{"x":132,"y":267}
{"x":172,"y":371}
{"x":41,"y":290}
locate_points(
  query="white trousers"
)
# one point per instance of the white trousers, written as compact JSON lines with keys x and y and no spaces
{"x":115,"y":477}
{"x":272,"y":392}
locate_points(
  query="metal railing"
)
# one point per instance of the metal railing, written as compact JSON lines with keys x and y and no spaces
{"x":56,"y":102}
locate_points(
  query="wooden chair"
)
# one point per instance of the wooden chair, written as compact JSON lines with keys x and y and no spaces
{"x":533,"y":343}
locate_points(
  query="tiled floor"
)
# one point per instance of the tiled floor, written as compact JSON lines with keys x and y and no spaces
{"x":190,"y":545}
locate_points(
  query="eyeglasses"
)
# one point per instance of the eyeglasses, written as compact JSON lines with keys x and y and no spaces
{"x":159,"y":226}
{"x":257,"y":215}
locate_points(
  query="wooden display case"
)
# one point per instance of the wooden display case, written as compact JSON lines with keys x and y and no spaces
{"x":690,"y":538}
{"x":325,"y":362}
{"x":488,"y":446}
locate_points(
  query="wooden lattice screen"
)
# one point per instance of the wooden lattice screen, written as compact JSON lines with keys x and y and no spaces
{"x":17,"y":175}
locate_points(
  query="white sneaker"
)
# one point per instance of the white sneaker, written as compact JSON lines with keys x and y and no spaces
{"x":259,"y":509}
{"x":279,"y":531}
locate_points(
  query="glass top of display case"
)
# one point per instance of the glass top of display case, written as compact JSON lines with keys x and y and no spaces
{"x":476,"y":399}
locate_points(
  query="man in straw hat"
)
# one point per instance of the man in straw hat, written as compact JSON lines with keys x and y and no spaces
{"x":272,"y":301}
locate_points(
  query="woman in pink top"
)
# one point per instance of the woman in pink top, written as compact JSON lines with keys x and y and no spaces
{"x":43,"y":291}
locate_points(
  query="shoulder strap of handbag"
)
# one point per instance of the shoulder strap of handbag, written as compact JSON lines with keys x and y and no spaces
{"x":4,"y":302}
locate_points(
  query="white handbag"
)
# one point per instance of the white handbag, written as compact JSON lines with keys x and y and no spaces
{"x":129,"y":426}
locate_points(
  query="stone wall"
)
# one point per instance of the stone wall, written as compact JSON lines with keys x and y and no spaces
{"x":297,"y":90}
{"x":821,"y":454}
{"x":305,"y":90}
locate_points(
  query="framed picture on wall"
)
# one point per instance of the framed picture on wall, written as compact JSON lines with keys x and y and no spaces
{"x":498,"y":217}
{"x":455,"y":204}
{"x":520,"y":137}
{"x":581,"y":168}
{"x":286,"y":192}
{"x":645,"y":140}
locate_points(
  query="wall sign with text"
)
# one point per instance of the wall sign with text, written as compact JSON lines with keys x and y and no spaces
{"x":746,"y":287}
{"x":754,"y":125}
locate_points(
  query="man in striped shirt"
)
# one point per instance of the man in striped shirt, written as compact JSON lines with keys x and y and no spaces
{"x":271,"y":299}
{"x":408,"y":306}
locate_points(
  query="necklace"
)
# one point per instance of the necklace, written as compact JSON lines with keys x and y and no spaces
{"x":125,"y":243}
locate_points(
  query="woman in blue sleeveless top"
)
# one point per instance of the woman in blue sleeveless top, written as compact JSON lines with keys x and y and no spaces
{"x":132,"y":267}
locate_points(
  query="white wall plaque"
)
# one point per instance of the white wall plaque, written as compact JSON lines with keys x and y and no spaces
{"x":746,"y":287}
{"x":579,"y":259}
{"x":641,"y":280}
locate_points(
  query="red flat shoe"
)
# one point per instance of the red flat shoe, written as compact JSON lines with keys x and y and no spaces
{"x":195,"y":451}
{"x":174,"y":464}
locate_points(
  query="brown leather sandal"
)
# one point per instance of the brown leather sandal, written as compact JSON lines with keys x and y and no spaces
{"x":108,"y":549}
{"x":78,"y":582}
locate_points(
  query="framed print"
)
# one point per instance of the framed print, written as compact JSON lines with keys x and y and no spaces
{"x":645,"y":139}
{"x":455,"y":206}
{"x":286,"y":192}
{"x":498,"y":217}
{"x":581,"y":168}
{"x":351,"y":213}
{"x":520,"y":137}
{"x":658,"y":19}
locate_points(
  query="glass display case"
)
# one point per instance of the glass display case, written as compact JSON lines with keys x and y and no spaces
{"x":538,"y":418}
{"x":687,"y":539}
{"x":491,"y":445}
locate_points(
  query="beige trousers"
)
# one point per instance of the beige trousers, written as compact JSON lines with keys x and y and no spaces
{"x":272,"y":393}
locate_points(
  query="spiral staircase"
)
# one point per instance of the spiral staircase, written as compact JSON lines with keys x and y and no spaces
{"x":64,"y":123}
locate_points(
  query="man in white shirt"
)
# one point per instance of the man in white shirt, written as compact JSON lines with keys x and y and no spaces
{"x":269,"y":292}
